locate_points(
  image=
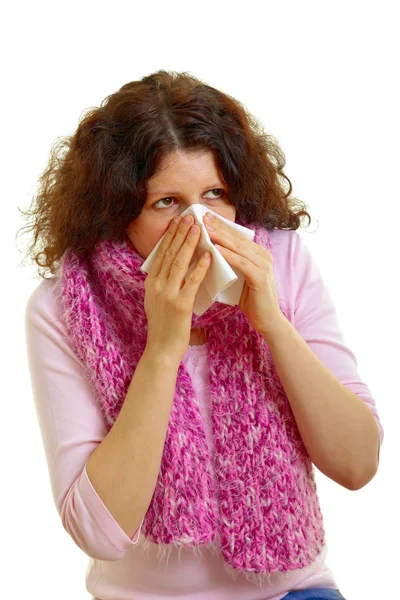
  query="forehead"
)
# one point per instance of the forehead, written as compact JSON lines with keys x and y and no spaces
{"x":180,"y":165}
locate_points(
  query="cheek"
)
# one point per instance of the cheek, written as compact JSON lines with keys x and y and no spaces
{"x":145,"y":237}
{"x":229,"y":212}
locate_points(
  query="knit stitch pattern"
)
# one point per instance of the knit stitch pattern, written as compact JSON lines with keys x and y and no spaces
{"x":254,"y":499}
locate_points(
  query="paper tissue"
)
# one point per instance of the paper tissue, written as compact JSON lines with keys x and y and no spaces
{"x":222,"y":282}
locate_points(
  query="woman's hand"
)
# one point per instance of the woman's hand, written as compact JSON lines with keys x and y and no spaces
{"x":169,"y":299}
{"x":259,"y":299}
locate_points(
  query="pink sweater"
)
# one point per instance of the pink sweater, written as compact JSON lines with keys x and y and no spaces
{"x":72,"y":426}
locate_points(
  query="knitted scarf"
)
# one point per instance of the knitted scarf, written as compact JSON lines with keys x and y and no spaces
{"x":254,"y":498}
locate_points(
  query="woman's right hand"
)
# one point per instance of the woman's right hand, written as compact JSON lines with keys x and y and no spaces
{"x":169,"y":299}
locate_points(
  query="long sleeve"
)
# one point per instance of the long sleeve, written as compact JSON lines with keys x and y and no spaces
{"x":314,"y":316}
{"x":71,"y":426}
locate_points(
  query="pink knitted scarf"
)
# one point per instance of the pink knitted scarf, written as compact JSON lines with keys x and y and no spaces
{"x":255,"y":498}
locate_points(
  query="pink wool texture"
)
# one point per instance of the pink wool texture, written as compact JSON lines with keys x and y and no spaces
{"x":255,"y":498}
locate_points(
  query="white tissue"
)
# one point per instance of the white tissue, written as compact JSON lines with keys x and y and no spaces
{"x":222,"y":283}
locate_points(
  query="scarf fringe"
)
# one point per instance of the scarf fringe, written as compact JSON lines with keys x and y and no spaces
{"x":202,"y":553}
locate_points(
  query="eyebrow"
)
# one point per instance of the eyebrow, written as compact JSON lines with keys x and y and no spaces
{"x":211,"y":187}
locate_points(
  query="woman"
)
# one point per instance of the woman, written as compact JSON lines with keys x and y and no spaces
{"x":181,"y":447}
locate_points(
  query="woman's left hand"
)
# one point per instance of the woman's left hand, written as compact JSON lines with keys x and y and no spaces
{"x":259,"y":299}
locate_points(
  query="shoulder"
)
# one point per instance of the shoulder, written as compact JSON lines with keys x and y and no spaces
{"x":285,"y":243}
{"x":44,"y":302}
{"x":285,"y":246}
{"x":44,"y":324}
{"x":291,"y":252}
{"x":291,"y":259}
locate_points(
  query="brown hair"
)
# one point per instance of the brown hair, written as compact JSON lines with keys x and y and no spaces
{"x":95,"y":182}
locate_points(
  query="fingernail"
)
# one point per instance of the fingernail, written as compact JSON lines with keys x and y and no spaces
{"x":187,"y":219}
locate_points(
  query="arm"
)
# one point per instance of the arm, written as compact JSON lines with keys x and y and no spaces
{"x":339,"y":430}
{"x":72,"y":427}
{"x":132,"y":450}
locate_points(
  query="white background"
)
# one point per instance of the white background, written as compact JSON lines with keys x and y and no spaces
{"x":323,"y":78}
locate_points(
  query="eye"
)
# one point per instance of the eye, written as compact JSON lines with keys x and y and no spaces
{"x":218,"y":190}
{"x":162,"y":200}
{"x":170,"y":199}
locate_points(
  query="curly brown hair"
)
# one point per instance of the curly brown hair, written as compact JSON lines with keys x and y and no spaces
{"x":95,"y":182}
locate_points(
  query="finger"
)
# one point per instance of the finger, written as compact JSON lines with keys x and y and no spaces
{"x":195,"y":278}
{"x":157,"y":262}
{"x":232,"y":239}
{"x":165,"y":254}
{"x":251,"y":251}
{"x":175,"y":247}
{"x":236,"y":242}
{"x":248,"y":269}
{"x":181,"y":262}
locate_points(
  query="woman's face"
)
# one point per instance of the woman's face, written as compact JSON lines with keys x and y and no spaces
{"x":184,"y":179}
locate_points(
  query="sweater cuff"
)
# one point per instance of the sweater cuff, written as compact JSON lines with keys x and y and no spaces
{"x":104,"y":518}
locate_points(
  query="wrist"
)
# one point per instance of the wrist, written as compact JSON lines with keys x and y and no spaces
{"x":160,"y":356}
{"x":276,"y":328}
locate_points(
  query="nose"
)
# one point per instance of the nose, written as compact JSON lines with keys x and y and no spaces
{"x":190,"y":201}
